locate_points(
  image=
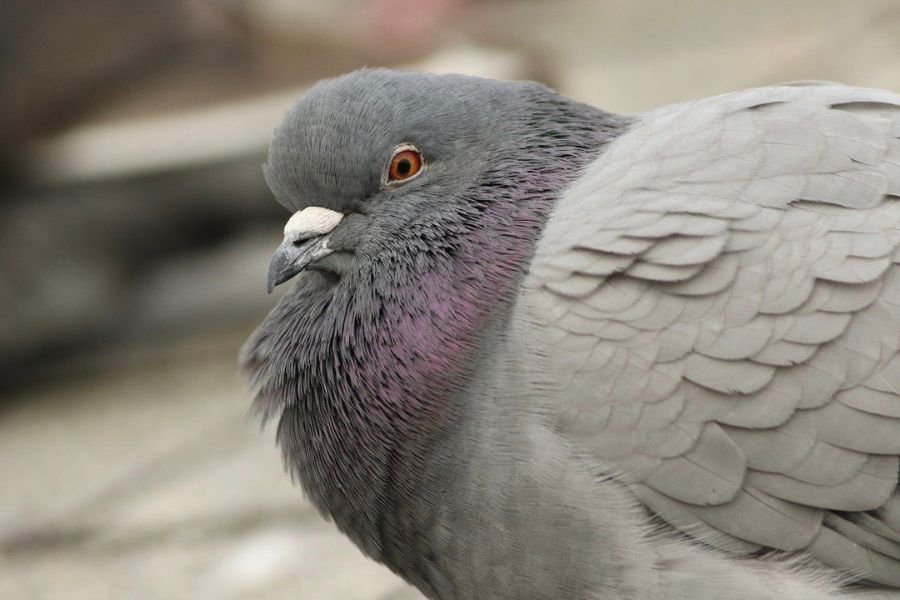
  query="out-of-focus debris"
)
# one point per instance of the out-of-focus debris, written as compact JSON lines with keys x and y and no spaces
{"x":61,"y":59}
{"x":204,"y":136}
{"x":160,"y":143}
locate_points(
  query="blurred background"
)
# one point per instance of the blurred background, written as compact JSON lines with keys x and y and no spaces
{"x":136,"y":228}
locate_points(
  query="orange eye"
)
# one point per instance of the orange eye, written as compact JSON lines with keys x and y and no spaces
{"x":406,"y":163}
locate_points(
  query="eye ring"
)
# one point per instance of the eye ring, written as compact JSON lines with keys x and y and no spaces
{"x":405,"y":164}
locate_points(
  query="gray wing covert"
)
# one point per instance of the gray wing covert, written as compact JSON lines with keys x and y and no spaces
{"x":720,"y":297}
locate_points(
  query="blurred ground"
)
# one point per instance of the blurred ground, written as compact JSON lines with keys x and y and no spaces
{"x":154,"y":485}
{"x":135,"y":230}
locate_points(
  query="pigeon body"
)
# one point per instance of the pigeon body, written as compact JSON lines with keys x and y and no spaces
{"x":541,"y":351}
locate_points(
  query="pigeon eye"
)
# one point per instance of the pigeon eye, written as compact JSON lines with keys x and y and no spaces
{"x":405,"y":164}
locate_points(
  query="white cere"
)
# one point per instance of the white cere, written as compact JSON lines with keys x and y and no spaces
{"x":313,"y":220}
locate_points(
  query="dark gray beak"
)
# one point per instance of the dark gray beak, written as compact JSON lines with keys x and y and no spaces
{"x":305,"y":242}
{"x":293,"y":256}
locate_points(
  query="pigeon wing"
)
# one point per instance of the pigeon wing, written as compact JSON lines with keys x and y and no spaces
{"x":719,"y":297}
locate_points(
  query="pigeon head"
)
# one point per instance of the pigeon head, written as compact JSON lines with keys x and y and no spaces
{"x":417,"y":200}
{"x":378,"y":162}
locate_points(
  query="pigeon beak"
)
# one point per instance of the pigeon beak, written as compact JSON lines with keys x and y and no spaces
{"x":292,"y":257}
{"x":305,"y":241}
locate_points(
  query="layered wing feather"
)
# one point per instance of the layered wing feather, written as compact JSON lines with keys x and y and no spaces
{"x":720,"y":296}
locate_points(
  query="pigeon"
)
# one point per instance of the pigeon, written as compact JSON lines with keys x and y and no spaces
{"x":538,"y":351}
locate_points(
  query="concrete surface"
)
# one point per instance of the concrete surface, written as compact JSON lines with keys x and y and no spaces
{"x":153,"y":483}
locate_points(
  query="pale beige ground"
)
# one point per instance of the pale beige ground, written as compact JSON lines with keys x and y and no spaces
{"x":153,"y":483}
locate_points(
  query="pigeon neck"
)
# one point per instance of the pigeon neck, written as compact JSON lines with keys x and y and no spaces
{"x":388,"y":385}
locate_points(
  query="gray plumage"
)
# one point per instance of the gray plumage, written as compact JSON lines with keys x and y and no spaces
{"x":587,"y":356}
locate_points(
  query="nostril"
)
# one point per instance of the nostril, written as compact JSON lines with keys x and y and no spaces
{"x":302,"y":238}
